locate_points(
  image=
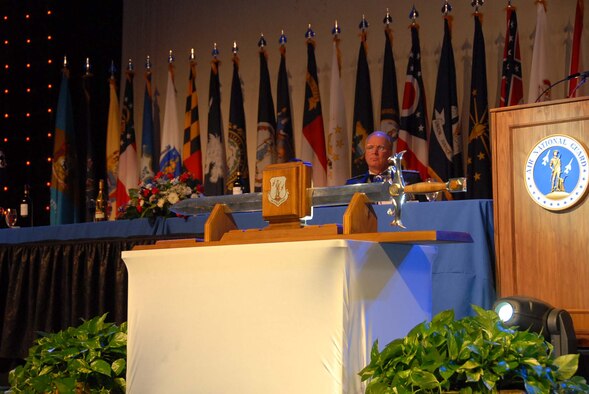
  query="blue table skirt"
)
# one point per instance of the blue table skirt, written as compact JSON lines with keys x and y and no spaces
{"x":463,"y":274}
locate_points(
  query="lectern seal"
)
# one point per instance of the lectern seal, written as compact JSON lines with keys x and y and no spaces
{"x":557,"y":172}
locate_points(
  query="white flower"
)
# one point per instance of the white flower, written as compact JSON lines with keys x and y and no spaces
{"x":173,"y":198}
{"x":161,"y":202}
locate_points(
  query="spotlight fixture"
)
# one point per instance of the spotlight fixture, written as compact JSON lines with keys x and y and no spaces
{"x":555,"y":324}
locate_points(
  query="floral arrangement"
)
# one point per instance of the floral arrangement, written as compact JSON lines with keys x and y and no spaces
{"x":154,"y":197}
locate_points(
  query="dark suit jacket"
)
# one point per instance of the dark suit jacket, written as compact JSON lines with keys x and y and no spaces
{"x":362,"y":178}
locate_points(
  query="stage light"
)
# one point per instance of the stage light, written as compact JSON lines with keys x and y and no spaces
{"x":555,"y":324}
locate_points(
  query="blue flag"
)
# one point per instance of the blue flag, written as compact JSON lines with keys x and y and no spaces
{"x":284,"y":134}
{"x":266,"y":139}
{"x":479,"y":148}
{"x":389,"y":99}
{"x":236,"y":138}
{"x":363,"y":123}
{"x":215,"y":158}
{"x":147,"y":133}
{"x":63,"y":208}
{"x":445,"y":146}
{"x":90,"y":183}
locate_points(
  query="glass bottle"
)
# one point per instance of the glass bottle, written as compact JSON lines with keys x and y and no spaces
{"x":25,"y":210}
{"x":238,"y":184}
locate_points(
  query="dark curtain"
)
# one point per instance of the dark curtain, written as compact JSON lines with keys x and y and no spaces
{"x":53,"y":285}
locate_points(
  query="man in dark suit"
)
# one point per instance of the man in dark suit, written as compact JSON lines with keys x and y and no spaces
{"x":377,"y":150}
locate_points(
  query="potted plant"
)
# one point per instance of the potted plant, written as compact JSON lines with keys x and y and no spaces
{"x":474,"y":354}
{"x":88,"y":358}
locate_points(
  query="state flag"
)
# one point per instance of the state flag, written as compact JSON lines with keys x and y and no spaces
{"x":338,"y":156}
{"x":363,"y":118}
{"x":214,"y":184}
{"x":237,"y":136}
{"x":284,"y":135}
{"x":445,"y":144}
{"x":389,"y":99}
{"x":266,"y":133}
{"x":89,"y":180}
{"x":113,"y":135}
{"x":414,"y":126}
{"x":147,"y":170}
{"x":63,"y":206}
{"x":313,"y":141}
{"x":128,"y":174}
{"x":170,"y":162}
{"x":478,"y":167}
{"x":191,"y":150}
{"x":539,"y":89}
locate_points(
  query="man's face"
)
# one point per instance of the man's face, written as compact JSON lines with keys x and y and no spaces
{"x":377,"y":151}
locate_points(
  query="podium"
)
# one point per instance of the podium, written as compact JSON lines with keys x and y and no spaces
{"x":282,"y":317}
{"x":541,"y":211}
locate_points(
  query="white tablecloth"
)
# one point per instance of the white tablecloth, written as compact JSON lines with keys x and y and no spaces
{"x":292,"y":317}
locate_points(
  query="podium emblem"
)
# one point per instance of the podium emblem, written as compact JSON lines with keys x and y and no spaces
{"x":278,"y":193}
{"x":557,"y":172}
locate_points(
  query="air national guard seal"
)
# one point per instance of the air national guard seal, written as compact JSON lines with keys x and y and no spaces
{"x":557,"y":172}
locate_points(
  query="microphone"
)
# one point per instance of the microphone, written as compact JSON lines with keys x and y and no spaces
{"x":582,"y":75}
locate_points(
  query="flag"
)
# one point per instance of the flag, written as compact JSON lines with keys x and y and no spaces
{"x":313,"y":144}
{"x":414,"y":127}
{"x":215,"y":159}
{"x":576,"y":54}
{"x":63,"y":207}
{"x":170,"y":144}
{"x":147,"y":132}
{"x":266,"y":140}
{"x":128,"y":175}
{"x":236,"y":138}
{"x":478,"y":171}
{"x":389,"y":100}
{"x":512,"y":87}
{"x":445,"y":144}
{"x":338,"y":153}
{"x":363,"y":123}
{"x":284,"y":134}
{"x":192,"y":152}
{"x":113,"y":135}
{"x":89,"y":181}
{"x":539,"y":80}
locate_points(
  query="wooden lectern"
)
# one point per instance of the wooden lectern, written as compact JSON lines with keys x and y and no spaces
{"x":542,"y":252}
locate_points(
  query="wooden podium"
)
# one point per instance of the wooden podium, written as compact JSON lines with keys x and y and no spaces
{"x":541,"y":252}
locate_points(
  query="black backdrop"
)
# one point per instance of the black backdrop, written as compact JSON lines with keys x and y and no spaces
{"x":78,"y":30}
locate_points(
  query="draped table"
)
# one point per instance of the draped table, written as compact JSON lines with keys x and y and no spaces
{"x":52,"y":276}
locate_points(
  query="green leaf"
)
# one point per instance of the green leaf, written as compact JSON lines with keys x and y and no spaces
{"x":101,"y":366}
{"x":118,"y":340}
{"x":65,"y":385}
{"x":424,"y":379}
{"x":567,"y":365}
{"x":118,"y":366}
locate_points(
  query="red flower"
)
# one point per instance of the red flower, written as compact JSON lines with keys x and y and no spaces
{"x":155,"y":191}
{"x":139,"y":208}
{"x":145,"y":193}
{"x":170,"y":175}
{"x":185,"y":176}
{"x":158,"y":175}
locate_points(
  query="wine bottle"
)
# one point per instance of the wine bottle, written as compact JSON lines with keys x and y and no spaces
{"x":25,"y":210}
{"x":100,"y":211}
{"x":238,"y":184}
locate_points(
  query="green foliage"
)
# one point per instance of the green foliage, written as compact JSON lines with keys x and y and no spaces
{"x":88,"y":358}
{"x":476,"y":354}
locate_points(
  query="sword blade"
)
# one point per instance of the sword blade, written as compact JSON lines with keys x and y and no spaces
{"x":322,"y":196}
